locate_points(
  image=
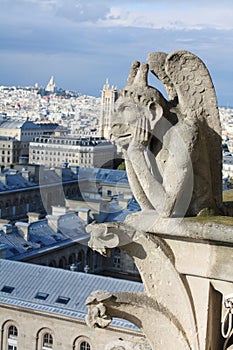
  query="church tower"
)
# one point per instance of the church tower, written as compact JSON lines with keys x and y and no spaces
{"x":51,"y":86}
{"x":108,"y":98}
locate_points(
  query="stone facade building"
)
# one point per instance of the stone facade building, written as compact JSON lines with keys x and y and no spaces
{"x":15,"y":137}
{"x":16,"y":203}
{"x":50,"y":314}
{"x":10,"y":149}
{"x":85,"y":152}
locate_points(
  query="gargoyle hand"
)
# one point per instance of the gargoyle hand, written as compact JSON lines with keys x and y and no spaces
{"x":141,"y":134}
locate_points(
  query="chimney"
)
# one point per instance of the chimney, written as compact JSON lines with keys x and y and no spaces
{"x":3,"y":178}
{"x":4,"y":222}
{"x":59,"y":210}
{"x":26,"y":174}
{"x":84,"y":214}
{"x":53,"y":222}
{"x":7,"y":228}
{"x":53,"y":219}
{"x":33,"y":217}
{"x":3,"y":249}
{"x":23,"y":229}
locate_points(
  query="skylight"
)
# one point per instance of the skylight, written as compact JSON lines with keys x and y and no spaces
{"x":41,"y":296}
{"x":7,"y":289}
{"x":62,"y":300}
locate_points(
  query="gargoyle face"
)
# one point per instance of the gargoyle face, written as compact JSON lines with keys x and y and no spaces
{"x":132,"y":114}
{"x":124,"y":120}
{"x":139,"y":107}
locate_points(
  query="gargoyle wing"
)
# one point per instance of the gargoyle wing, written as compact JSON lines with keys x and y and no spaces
{"x":156,"y":62}
{"x":197,"y":102}
{"x":194,"y":87}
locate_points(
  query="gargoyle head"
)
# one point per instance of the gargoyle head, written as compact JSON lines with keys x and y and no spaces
{"x":136,"y":101}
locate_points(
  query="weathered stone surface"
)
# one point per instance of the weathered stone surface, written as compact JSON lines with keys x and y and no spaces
{"x":168,"y":147}
{"x":169,"y":144}
{"x":120,"y":344}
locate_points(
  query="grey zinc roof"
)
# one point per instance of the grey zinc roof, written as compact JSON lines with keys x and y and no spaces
{"x":107,"y":176}
{"x":15,"y":244}
{"x":14,"y":124}
{"x":13,"y":181}
{"x":43,"y":238}
{"x":110,"y":176}
{"x":120,"y":215}
{"x":28,"y":279}
{"x":17,"y":181}
{"x":27,"y":125}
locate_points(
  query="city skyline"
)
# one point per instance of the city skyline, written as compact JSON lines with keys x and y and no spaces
{"x":82,"y":44}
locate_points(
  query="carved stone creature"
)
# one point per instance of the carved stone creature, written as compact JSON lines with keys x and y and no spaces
{"x":96,"y":310}
{"x":172,"y":148}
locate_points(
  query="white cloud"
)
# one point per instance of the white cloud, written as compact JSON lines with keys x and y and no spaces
{"x":82,"y":10}
{"x":143,"y":14}
{"x":100,"y":39}
{"x":191,"y":16}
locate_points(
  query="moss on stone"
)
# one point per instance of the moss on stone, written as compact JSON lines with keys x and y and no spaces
{"x":224,"y":220}
{"x":228,"y":196}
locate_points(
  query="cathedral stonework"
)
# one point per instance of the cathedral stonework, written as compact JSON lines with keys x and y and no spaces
{"x":180,"y":241}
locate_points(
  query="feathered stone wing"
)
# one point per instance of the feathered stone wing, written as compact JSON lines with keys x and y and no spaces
{"x":197,"y":102}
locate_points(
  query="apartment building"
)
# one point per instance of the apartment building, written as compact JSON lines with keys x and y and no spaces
{"x":10,"y":149}
{"x":15,"y":136}
{"x":55,"y":151}
{"x":51,"y":313}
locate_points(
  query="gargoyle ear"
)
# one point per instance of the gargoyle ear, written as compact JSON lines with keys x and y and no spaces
{"x":156,"y":112}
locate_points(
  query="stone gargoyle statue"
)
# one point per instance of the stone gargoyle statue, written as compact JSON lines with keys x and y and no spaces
{"x":172,"y":148}
{"x":172,"y":151}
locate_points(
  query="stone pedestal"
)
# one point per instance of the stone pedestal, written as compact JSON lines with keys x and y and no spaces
{"x":186,"y":269}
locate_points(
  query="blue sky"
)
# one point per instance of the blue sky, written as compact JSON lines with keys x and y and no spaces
{"x":84,"y":42}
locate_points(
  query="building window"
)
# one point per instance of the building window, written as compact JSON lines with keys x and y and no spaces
{"x":41,"y":296}
{"x":62,"y":300}
{"x":7,"y":289}
{"x":117,"y":258}
{"x":12,"y":332}
{"x":12,"y":338}
{"x":47,"y":341}
{"x":85,"y":346}
{"x":82,"y":343}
